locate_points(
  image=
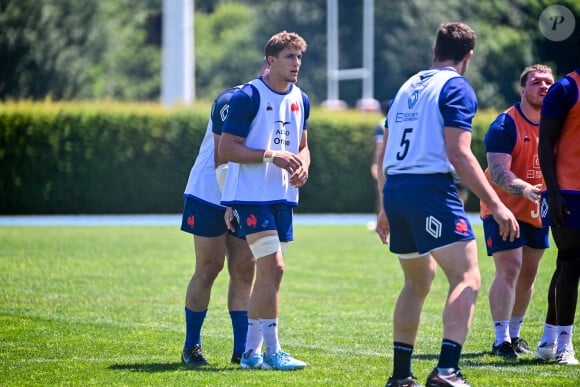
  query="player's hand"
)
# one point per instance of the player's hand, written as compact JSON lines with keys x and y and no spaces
{"x":533,"y":193}
{"x":508,"y":225}
{"x":557,"y":207}
{"x":383,"y":228}
{"x":229,"y":219}
{"x":299,"y":177}
{"x":288,"y":161}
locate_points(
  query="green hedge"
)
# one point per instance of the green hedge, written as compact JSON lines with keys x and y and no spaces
{"x":119,"y":158}
{"x":61,"y":159}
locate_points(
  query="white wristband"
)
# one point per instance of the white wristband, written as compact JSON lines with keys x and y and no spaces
{"x":269,"y":159}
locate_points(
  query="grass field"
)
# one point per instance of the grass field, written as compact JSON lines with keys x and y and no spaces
{"x":104,"y":306}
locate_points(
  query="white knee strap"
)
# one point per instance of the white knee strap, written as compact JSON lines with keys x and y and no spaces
{"x":265,"y":246}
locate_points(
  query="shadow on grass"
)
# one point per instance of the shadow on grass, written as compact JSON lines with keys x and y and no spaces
{"x":166,"y":367}
{"x":484,"y":359}
{"x":492,"y":360}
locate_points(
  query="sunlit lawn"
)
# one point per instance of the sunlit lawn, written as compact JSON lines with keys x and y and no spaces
{"x":104,"y":306}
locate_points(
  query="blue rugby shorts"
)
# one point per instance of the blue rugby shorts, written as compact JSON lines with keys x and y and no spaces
{"x":202,"y":219}
{"x":573,"y":204}
{"x":255,"y":218}
{"x":534,"y":237}
{"x":425,"y":213}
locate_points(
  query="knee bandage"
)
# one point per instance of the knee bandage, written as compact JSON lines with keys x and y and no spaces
{"x":265,"y":246}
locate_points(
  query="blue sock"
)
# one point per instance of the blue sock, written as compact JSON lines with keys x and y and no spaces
{"x":402,"y":360}
{"x":240,"y":327}
{"x":450,"y":354}
{"x":193,"y":324}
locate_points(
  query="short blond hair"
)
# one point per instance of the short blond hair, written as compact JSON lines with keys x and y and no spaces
{"x":282,"y":40}
{"x":540,"y":68}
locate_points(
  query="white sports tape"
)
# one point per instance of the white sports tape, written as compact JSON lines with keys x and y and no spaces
{"x":265,"y":246}
{"x":410,"y":255}
{"x":220,"y":175}
{"x":283,"y":246}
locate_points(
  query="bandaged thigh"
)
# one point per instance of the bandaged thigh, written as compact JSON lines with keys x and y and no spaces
{"x":265,"y":246}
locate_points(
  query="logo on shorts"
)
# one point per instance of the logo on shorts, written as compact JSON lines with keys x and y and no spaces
{"x":544,"y":208}
{"x":191,"y":221}
{"x":461,"y":227}
{"x":433,"y":227}
{"x":251,"y":221}
{"x":489,"y":242}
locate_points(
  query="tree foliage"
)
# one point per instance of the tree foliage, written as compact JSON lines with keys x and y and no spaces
{"x":95,"y":49}
{"x":225,"y":48}
{"x":130,"y":66}
{"x":46,"y":47}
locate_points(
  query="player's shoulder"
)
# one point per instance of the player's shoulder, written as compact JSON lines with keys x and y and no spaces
{"x":565,"y":86}
{"x":248,"y":90}
{"x":225,"y":96}
{"x":505,"y":120}
{"x":456,"y":85}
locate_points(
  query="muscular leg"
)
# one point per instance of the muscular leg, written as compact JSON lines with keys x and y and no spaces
{"x":419,"y":274}
{"x":545,"y":349}
{"x":269,"y":271}
{"x":551,"y":317}
{"x":566,"y":286}
{"x":459,"y":262}
{"x":241,"y":267}
{"x":209,"y":261}
{"x":525,"y":285}
{"x":502,"y":292}
{"x":264,"y":301}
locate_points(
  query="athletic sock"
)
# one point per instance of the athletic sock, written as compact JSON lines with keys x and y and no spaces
{"x":502,"y":332}
{"x":193,"y":324}
{"x":402,"y":360}
{"x":240,"y":330}
{"x":550,"y":335}
{"x":449,"y":356}
{"x":515,"y":326}
{"x":270,"y":334}
{"x":254,"y":336}
{"x":564,"y":337}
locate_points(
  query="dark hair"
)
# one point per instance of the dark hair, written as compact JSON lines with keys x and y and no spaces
{"x":385,"y":106}
{"x":283,"y":40}
{"x":453,"y":42}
